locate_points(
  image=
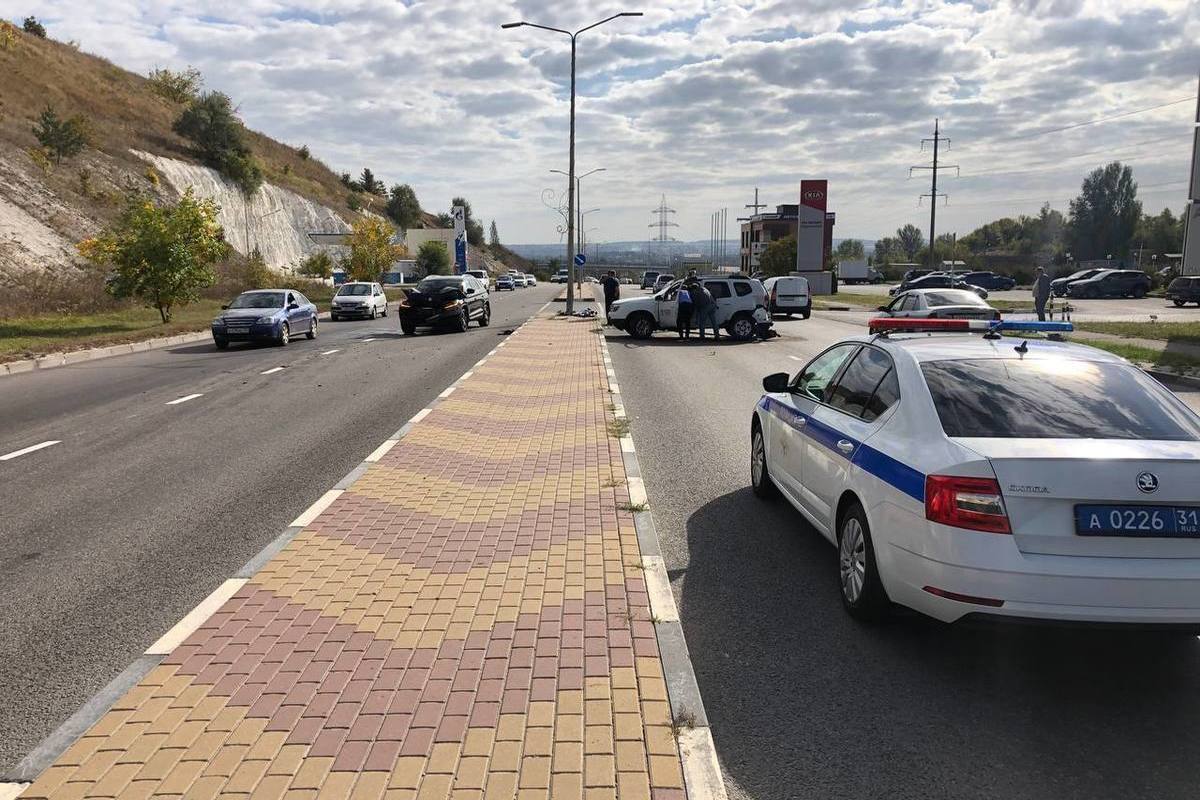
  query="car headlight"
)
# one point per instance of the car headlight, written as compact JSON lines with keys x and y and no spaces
{"x":453,"y":304}
{"x":268,"y":320}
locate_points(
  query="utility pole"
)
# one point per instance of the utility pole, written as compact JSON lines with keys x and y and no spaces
{"x":756,"y":205}
{"x":1191,"y":216}
{"x":933,"y":192}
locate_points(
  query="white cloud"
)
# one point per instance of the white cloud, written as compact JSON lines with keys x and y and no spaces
{"x":700,"y":99}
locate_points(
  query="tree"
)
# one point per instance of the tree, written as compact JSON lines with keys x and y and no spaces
{"x":445,"y":220}
{"x":62,"y":138}
{"x":34,"y":27}
{"x":402,"y":206}
{"x":371,"y":250}
{"x":178,"y":87}
{"x":162,"y":255}
{"x":317,"y":265}
{"x":911,"y":240}
{"x":849,"y":250}
{"x":433,"y":258}
{"x":211,"y":124}
{"x":1105,"y":215}
{"x":346,"y":180}
{"x":474,"y":228}
{"x":304,"y":152}
{"x":780,"y":257}
{"x":1160,"y":234}
{"x":494,"y":235}
{"x":368,"y":183}
{"x":886,"y":250}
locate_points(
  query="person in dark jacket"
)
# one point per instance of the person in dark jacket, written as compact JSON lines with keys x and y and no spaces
{"x":705,"y":307}
{"x":612,"y":290}
{"x":683,"y":314}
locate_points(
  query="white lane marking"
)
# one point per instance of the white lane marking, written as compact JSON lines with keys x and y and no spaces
{"x":381,"y":451}
{"x":420,"y":415}
{"x":446,"y":393}
{"x":184,"y":399}
{"x":316,"y":508}
{"x":195,"y":618}
{"x":658,"y":589}
{"x":368,"y":339}
{"x":32,"y":448}
{"x":271,"y":370}
{"x":795,"y":358}
{"x":10,"y":791}
{"x":637,"y":491}
{"x":701,"y":770}
{"x":465,"y":375}
{"x":331,"y":352}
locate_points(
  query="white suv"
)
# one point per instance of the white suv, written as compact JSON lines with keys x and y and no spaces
{"x":358,"y":299}
{"x":741,"y":308}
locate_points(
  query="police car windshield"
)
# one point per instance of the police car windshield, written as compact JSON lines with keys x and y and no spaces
{"x":1053,"y":399}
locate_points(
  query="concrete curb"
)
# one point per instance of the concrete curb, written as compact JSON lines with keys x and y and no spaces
{"x":54,"y":745}
{"x":1168,"y":374}
{"x":701,"y":770}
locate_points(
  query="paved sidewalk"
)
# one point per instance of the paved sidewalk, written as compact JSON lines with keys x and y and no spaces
{"x":469,"y":619}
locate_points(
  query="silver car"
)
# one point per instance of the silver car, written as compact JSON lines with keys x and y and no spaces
{"x":358,"y":299}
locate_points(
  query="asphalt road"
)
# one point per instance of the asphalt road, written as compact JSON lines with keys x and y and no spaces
{"x":803,"y":701}
{"x":108,"y":538}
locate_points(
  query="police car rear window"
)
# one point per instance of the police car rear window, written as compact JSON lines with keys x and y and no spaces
{"x":1053,"y":399}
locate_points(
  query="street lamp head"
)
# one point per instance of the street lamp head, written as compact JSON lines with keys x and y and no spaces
{"x":630,"y":14}
{"x":512,"y":24}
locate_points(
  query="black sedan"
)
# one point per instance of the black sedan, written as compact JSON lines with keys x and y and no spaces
{"x":1184,"y":290}
{"x":1058,"y":286}
{"x":988,"y":280}
{"x":1112,"y":283}
{"x":939,"y":304}
{"x":446,"y":301}
{"x":938,"y":280}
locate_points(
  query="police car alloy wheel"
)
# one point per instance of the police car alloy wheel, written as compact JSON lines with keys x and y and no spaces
{"x":862,"y":594}
{"x":760,"y":478}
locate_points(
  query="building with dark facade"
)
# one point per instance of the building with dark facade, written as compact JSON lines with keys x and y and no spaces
{"x":761,"y":229}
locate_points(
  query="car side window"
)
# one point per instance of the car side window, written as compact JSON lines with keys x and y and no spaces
{"x":815,"y":378}
{"x":301,"y":299}
{"x":742,"y":288}
{"x":887,"y":394}
{"x":897,"y":304}
{"x":860,"y":379}
{"x":912,"y":302}
{"x":291,"y":298}
{"x":718,"y":289}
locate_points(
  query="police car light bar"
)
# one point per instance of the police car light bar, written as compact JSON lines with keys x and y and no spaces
{"x":902,"y":325}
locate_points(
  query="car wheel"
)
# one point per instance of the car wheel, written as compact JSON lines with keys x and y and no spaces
{"x":1139,"y":292}
{"x":487,"y":315}
{"x":285,"y":335}
{"x":408,"y":328}
{"x":641,"y":326}
{"x":805,"y":314}
{"x":760,"y":476}
{"x":224,"y":343}
{"x":312,"y":329}
{"x":1179,"y":303}
{"x":742,"y":328}
{"x":863,"y":595}
{"x":463,"y":322}
{"x":373,"y":313}
{"x":333,"y":317}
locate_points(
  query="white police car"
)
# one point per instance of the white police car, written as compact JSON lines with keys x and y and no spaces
{"x":963,"y":474}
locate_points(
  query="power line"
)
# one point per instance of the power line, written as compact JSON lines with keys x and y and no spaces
{"x":1096,"y":121}
{"x":1057,"y":162}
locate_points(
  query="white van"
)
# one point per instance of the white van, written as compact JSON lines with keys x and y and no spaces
{"x":788,"y":294}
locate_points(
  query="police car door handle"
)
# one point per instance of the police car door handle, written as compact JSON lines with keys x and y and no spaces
{"x":845,"y":446}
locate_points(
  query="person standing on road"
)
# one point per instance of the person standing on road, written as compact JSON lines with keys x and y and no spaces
{"x":1041,"y":293}
{"x":612,"y":290}
{"x":683,"y":314}
{"x":705,"y":308}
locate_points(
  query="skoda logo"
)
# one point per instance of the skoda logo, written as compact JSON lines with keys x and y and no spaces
{"x":1147,"y":482}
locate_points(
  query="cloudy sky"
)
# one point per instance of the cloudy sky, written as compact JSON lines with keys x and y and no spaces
{"x":700,"y":100}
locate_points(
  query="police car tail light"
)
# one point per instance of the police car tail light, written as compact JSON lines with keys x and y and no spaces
{"x":971,"y":503}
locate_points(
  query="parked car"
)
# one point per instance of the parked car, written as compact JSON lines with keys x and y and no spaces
{"x":358,"y":299}
{"x":939,"y":304}
{"x":562,"y":276}
{"x":505,"y":284}
{"x":452,"y":301}
{"x":1058,"y":286}
{"x":988,"y":280}
{"x":664,"y":279}
{"x":1184,"y":290}
{"x":913,"y":274}
{"x":788,"y":294}
{"x":265,"y":314}
{"x":530,"y":280}
{"x":738,"y":300}
{"x":518,"y":280}
{"x":1112,"y":283}
{"x":937,"y":281}
{"x":481,"y":275}
{"x":648,"y":279}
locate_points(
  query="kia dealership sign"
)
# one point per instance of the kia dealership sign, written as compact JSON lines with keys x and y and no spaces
{"x":810,"y":237}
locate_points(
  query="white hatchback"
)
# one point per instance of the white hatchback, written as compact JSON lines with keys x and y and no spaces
{"x":961,"y":474}
{"x":358,"y":299}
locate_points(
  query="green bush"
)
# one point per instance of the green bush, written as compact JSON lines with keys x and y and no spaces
{"x":178,"y":87}
{"x":433,"y":258}
{"x":317,"y":265}
{"x":210,"y":123}
{"x":303,"y":152}
{"x":62,"y":138}
{"x":34,"y":27}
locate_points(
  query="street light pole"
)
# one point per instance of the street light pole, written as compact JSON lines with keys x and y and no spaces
{"x":571,"y":158}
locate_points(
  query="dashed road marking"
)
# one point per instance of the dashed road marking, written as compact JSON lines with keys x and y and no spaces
{"x":795,"y":358}
{"x":271,"y":370}
{"x":331,"y":352}
{"x":184,"y":399}
{"x":195,"y":618}
{"x":26,"y":450}
{"x":368,"y":339}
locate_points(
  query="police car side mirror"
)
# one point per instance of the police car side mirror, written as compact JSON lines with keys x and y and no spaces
{"x":776,"y":383}
{"x":882,"y":308}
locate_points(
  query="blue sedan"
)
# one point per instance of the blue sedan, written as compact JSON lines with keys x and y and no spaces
{"x":273,"y":315}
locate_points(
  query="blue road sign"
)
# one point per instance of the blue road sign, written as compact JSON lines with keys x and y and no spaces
{"x":580,"y":259}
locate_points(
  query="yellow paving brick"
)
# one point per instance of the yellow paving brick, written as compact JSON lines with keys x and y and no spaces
{"x":568,"y":756}
{"x":48,"y":781}
{"x":506,"y":757}
{"x":443,"y":759}
{"x":407,"y":772}
{"x":81,"y":751}
{"x":538,"y":741}
{"x":535,"y":772}
{"x":570,"y":701}
{"x":267,"y":746}
{"x":599,"y":793}
{"x":627,"y":726}
{"x":478,"y":741}
{"x":115,"y":780}
{"x":227,"y":759}
{"x":599,"y":770}
{"x":666,"y":771}
{"x":540,"y":713}
{"x":598,"y":712}
{"x":205,"y":787}
{"x":501,"y":786}
{"x":338,"y":785}
{"x":626,"y":700}
{"x":471,"y":773}
{"x":180,"y":777}
{"x":96,"y":765}
{"x":597,"y":689}
{"x":246,"y":776}
{"x":312,"y":773}
{"x":134,"y":745}
{"x":631,"y":757}
{"x":370,"y":786}
{"x":567,"y":786}
{"x":139,"y":790}
{"x":271,"y":787}
{"x":528,"y":793}
{"x":633,"y":786}
{"x":511,"y":728}
{"x":109,"y":723}
{"x":435,"y":787}
{"x":569,"y":727}
{"x":656,"y":712}
{"x":660,"y":741}
{"x":287,"y":761}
